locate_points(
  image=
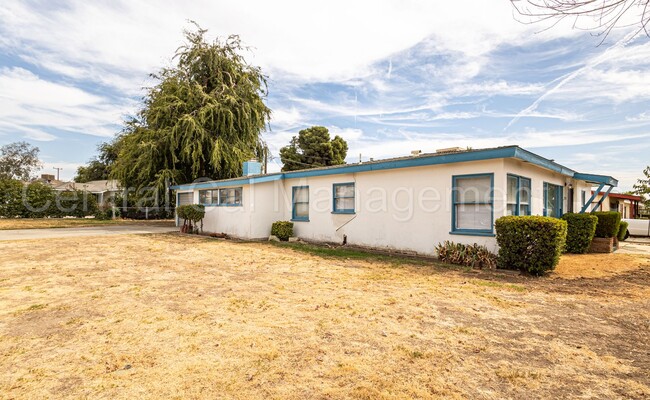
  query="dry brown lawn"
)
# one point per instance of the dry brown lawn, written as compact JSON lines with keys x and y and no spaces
{"x":168,"y":316}
{"x":42,"y":223}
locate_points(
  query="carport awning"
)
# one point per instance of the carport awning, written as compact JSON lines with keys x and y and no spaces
{"x":598,"y":179}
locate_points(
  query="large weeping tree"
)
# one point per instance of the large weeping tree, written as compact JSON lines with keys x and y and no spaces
{"x":204,"y":118}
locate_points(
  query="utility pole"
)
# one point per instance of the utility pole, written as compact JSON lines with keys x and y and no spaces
{"x":57,"y":172}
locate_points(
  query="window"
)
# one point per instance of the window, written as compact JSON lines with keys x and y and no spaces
{"x":230,"y":197}
{"x":208,"y":197}
{"x":343,"y":198}
{"x":300,"y":200}
{"x":518,"y":195}
{"x":552,"y":200}
{"x":221,"y":197}
{"x":584,"y":197}
{"x":473,"y":204}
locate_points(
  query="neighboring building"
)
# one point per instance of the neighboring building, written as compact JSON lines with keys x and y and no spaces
{"x":407,"y":204}
{"x":628,"y":205}
{"x":103,"y":190}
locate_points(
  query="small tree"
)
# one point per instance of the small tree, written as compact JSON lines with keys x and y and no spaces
{"x":642,"y":187}
{"x":191,"y":214}
{"x":19,"y":161}
{"x":313,"y":148}
{"x":11,"y":192}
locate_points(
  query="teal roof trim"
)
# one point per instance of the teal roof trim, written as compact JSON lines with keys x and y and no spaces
{"x":404,"y":162}
{"x":592,"y":178}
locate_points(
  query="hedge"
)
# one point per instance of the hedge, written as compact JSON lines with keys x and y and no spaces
{"x":283,"y":230}
{"x":580,"y":232}
{"x":622,"y":231}
{"x":38,"y":200}
{"x":608,"y":223}
{"x":530,"y":243}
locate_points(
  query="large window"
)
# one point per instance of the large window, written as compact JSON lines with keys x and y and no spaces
{"x":208,"y":197}
{"x":343,"y":198}
{"x":552,"y":200}
{"x":230,"y":197}
{"x":518,"y":195}
{"x":473,"y":204}
{"x":300,"y":200}
{"x":221,"y":197}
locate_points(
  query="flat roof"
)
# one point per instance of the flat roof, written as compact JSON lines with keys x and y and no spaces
{"x":405,"y":162}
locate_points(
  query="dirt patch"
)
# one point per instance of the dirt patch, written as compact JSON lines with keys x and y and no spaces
{"x":574,"y":266}
{"x":182,"y":317}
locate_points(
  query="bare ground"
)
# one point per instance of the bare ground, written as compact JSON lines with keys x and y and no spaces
{"x":167,"y":316}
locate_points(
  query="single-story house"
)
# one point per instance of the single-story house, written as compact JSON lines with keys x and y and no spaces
{"x":103,"y":190}
{"x":628,"y":205}
{"x":407,"y":204}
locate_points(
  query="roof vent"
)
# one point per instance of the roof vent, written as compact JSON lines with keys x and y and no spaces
{"x":416,"y":153}
{"x":449,"y":150}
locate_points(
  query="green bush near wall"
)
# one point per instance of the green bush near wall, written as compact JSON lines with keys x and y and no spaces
{"x":608,"y":223}
{"x":580,"y":232}
{"x":530,"y":243}
{"x":622,"y":231}
{"x":283,"y":230}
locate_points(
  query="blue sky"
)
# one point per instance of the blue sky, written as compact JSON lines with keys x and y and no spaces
{"x":388,"y":76}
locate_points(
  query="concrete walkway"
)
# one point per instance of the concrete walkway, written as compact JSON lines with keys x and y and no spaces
{"x":634,"y":246}
{"x":54,"y":233}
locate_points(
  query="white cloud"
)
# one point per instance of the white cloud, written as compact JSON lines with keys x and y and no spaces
{"x":30,"y":105}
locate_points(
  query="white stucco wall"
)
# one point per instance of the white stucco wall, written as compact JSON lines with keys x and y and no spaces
{"x":406,"y":209}
{"x":402,"y":209}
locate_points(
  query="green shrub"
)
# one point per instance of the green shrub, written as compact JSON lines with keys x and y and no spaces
{"x":282,"y":229}
{"x":580,"y":232}
{"x":38,"y":200}
{"x":622,"y":231}
{"x":530,"y":243}
{"x":190,"y":214}
{"x":608,"y":223}
{"x":11,"y":192}
{"x":74,"y":203}
{"x":472,"y":255}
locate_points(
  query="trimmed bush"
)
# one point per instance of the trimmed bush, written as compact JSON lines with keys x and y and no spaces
{"x":472,"y":255}
{"x":530,"y":243}
{"x":580,"y":232}
{"x":622,"y":231}
{"x":282,"y":229}
{"x":191,"y":214}
{"x":608,"y":223}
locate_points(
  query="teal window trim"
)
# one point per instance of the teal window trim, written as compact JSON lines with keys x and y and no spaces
{"x":335,"y":197}
{"x":215,"y":198}
{"x":455,"y":202}
{"x":583,"y":195}
{"x":236,"y":203}
{"x":518,"y":200}
{"x":559,"y":198}
{"x":294,"y":217}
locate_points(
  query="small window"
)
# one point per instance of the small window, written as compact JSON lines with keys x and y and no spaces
{"x":518,"y":195}
{"x":344,"y":198}
{"x":552,"y":200}
{"x":208,"y":197}
{"x":473,"y":204}
{"x":300,"y":199}
{"x":230,"y":197}
{"x":584,"y":197}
